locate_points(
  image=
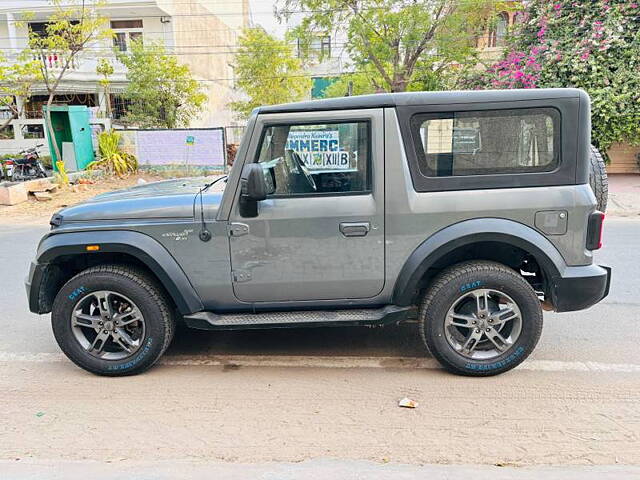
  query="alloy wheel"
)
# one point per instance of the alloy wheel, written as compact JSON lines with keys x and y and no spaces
{"x":482,"y":324}
{"x":108,"y":325}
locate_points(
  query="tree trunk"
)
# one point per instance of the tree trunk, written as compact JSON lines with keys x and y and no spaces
{"x":107,"y":98}
{"x":52,"y":135}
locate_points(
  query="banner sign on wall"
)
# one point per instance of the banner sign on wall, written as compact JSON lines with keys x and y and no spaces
{"x":319,"y":150}
{"x":204,"y":147}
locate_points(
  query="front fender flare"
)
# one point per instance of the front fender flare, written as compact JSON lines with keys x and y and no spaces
{"x":143,"y":247}
{"x":466,"y":233}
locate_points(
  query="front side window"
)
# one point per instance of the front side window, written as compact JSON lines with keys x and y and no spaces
{"x":316,"y":159}
{"x":487,"y":142}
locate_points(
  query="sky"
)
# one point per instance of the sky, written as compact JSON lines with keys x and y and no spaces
{"x":262,"y":14}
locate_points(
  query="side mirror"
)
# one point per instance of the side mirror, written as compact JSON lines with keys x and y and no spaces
{"x":252,"y":182}
{"x":253,"y":188}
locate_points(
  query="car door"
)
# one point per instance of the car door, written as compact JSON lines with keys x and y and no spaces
{"x":319,"y":235}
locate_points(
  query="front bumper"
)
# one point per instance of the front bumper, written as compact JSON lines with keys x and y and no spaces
{"x":580,"y":287}
{"x":41,"y":284}
{"x":33,"y":280}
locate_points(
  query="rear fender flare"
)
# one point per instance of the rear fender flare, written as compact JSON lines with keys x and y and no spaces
{"x":469,"y":232}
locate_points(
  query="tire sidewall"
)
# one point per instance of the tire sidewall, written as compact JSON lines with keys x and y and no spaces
{"x":82,"y":285}
{"x":516,"y":288}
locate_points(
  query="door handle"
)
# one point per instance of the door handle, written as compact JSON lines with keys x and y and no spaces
{"x":356,"y":229}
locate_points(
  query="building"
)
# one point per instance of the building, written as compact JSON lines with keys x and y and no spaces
{"x":328,"y":57}
{"x":332,"y":59}
{"x":202,"y":33}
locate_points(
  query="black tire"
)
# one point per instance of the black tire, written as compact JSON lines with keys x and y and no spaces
{"x":138,"y":286}
{"x":448,"y":287}
{"x":598,"y":178}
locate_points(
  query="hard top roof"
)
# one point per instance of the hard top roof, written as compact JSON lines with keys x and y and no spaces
{"x":422,"y":98}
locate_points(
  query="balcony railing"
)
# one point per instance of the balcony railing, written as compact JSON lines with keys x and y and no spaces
{"x":54,"y":60}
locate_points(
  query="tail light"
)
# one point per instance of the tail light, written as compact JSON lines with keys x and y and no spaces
{"x":594,"y":231}
{"x":8,"y":162}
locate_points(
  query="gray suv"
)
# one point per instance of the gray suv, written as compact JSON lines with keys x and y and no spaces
{"x":466,"y":212}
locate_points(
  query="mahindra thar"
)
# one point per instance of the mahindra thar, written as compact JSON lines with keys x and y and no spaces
{"x":468,"y":213}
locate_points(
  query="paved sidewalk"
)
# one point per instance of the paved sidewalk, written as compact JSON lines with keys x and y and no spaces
{"x":624,"y":195}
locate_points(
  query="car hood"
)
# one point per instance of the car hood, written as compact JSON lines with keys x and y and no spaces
{"x":166,"y":199}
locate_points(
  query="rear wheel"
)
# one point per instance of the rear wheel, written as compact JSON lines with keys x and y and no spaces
{"x":480,"y":318}
{"x":112,"y":320}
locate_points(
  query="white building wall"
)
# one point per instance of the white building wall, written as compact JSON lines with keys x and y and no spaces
{"x":180,"y":34}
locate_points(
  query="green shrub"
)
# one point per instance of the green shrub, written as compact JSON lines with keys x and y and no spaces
{"x":46,"y":161}
{"x":111,"y":158}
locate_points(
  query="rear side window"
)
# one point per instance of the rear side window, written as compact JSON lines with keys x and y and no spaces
{"x":487,"y":142}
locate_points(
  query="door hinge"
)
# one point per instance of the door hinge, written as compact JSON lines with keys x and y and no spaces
{"x":240,"y":276}
{"x":238,"y":229}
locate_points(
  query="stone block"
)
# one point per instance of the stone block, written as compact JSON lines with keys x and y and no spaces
{"x":12,"y":193}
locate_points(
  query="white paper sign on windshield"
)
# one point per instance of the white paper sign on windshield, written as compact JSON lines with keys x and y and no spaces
{"x":319,"y":149}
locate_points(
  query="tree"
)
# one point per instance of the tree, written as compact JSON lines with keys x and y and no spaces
{"x":589,"y":44}
{"x":16,"y":80}
{"x":267,"y":71}
{"x":398,"y":45}
{"x":162,"y":92}
{"x":70,"y":30}
{"x":105,"y":69}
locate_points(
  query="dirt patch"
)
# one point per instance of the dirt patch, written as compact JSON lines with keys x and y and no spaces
{"x":34,"y":211}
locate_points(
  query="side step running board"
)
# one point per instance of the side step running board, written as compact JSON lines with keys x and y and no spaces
{"x":310,"y":318}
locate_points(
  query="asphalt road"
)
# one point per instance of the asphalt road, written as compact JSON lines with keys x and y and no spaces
{"x":238,"y":396}
{"x":608,"y":332}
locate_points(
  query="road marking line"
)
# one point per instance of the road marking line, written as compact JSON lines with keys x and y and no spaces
{"x":290,"y":361}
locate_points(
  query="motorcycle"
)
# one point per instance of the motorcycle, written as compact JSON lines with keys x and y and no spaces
{"x":26,"y":168}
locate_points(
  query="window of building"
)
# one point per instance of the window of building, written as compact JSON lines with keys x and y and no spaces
{"x":320,"y":47}
{"x":32,"y":131}
{"x":316,"y":159}
{"x":498,"y":32}
{"x":487,"y":142}
{"x":7,"y":133}
{"x":125,"y":32}
{"x":40,"y":28}
{"x":501,"y":29}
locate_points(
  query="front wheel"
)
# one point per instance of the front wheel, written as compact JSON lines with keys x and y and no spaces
{"x":480,"y":318}
{"x":112,"y":320}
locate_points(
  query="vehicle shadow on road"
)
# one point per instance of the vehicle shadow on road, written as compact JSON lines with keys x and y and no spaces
{"x":401,"y":341}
